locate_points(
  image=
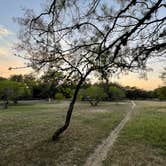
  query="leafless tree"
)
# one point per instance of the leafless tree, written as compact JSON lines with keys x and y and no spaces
{"x":81,"y":38}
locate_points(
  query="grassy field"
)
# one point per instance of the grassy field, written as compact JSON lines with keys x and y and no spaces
{"x":26,"y":129}
{"x":142,"y":142}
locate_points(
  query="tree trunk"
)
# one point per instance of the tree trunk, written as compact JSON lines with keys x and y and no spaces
{"x":69,"y":112}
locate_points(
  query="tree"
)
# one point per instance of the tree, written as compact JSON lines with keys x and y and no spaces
{"x":17,"y":78}
{"x":51,"y":80}
{"x":116,"y":93}
{"x":5,"y":92}
{"x":59,"y":96}
{"x":161,"y":93}
{"x":135,"y":93}
{"x":93,"y":94}
{"x":80,"y":38}
{"x":2,"y":78}
{"x":33,"y":85}
{"x":11,"y":90}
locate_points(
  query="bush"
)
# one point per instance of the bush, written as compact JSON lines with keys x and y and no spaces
{"x":161,"y":93}
{"x":59,"y":96}
{"x":93,"y":94}
{"x":116,"y":93}
{"x":12,"y":90}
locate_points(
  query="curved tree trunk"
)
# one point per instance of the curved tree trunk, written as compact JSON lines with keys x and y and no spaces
{"x":69,"y":112}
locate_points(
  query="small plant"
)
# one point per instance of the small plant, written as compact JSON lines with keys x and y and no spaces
{"x":59,"y":96}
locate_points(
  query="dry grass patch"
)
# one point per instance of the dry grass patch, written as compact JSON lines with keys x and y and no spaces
{"x":26,"y":131}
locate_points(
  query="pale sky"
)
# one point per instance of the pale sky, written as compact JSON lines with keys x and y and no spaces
{"x":8,"y":37}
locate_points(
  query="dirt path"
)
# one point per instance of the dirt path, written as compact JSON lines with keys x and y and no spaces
{"x":100,"y":153}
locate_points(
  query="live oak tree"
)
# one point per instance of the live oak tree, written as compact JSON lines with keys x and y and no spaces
{"x":161,"y":93}
{"x":51,"y":81}
{"x":80,"y":38}
{"x":94,"y":94}
{"x":12,"y":90}
{"x":116,"y":93}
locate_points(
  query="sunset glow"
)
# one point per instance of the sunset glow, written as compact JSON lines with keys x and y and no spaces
{"x":8,"y":38}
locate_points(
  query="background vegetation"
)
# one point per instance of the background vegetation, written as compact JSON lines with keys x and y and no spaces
{"x":50,"y":86}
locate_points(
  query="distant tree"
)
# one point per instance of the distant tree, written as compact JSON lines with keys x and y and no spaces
{"x":59,"y":96}
{"x":51,"y":81}
{"x":81,"y":38}
{"x":33,"y":85}
{"x":93,"y":94}
{"x":2,"y":78}
{"x":116,"y":93}
{"x":136,"y":93}
{"x":17,"y":78}
{"x":11,"y":90}
{"x":161,"y":93}
{"x":66,"y":90}
{"x":151,"y":94}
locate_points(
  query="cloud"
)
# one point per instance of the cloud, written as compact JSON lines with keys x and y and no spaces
{"x":5,"y":32}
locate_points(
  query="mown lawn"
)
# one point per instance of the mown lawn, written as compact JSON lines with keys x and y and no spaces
{"x":142,"y":142}
{"x":26,"y":130}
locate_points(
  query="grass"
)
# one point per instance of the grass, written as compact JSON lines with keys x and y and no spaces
{"x":142,"y":142}
{"x":26,"y":129}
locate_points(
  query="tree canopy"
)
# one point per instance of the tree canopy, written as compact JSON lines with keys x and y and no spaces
{"x":12,"y":90}
{"x":94,"y":94}
{"x":161,"y":93}
{"x":84,"y":36}
{"x":80,"y":38}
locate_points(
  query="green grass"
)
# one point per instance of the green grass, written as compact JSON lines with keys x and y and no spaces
{"x":142,"y":142}
{"x":25,"y":132}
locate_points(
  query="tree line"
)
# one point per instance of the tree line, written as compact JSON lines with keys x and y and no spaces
{"x":50,"y":86}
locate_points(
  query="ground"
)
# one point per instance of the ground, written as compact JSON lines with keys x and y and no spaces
{"x":142,"y":141}
{"x":26,"y":130}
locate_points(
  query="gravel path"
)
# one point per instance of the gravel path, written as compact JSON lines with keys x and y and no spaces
{"x":100,"y":153}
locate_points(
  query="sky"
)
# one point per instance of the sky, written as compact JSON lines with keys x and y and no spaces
{"x":8,"y":37}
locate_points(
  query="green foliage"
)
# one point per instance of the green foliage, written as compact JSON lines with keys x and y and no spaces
{"x":135,"y":93}
{"x":67,"y":92}
{"x":17,"y":78}
{"x":11,"y":90}
{"x":2,"y":78}
{"x":93,"y":93}
{"x":116,"y":93}
{"x":50,"y":82}
{"x":144,"y":136}
{"x":59,"y":96}
{"x":161,"y":93}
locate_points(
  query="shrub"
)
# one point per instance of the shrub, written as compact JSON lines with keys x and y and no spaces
{"x":116,"y":93}
{"x":93,"y":94}
{"x":59,"y":96}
